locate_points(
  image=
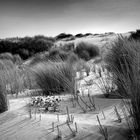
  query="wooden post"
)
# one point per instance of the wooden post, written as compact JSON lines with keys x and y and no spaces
{"x":99,"y":107}
{"x":30,"y":112}
{"x":53,"y":126}
{"x":40,"y":116}
{"x":35,"y":112}
{"x":58,"y":117}
{"x":76,"y":129}
{"x":58,"y":129}
{"x":103,"y":114}
{"x":68,"y":114}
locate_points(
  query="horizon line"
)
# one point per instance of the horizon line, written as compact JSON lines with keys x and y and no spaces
{"x":66,"y":33}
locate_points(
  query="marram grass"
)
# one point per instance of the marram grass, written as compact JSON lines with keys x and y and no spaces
{"x":53,"y":77}
{"x":124,"y":63}
{"x":11,"y":82}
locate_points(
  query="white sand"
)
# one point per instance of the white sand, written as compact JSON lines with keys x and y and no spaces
{"x":16,"y":124}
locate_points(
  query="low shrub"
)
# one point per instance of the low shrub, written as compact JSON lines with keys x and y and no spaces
{"x":57,"y":54}
{"x":68,"y":46}
{"x":63,"y":36}
{"x":86,"y":51}
{"x":135,"y":35}
{"x":26,"y":47}
{"x":79,"y":35}
{"x":88,"y":34}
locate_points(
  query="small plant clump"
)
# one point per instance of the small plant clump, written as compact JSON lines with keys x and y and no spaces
{"x":50,"y":104}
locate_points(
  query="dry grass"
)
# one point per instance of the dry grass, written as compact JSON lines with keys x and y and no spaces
{"x":11,"y":81}
{"x":54,"y":77}
{"x":124,"y":63}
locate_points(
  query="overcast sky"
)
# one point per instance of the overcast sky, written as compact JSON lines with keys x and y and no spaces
{"x":51,"y":17}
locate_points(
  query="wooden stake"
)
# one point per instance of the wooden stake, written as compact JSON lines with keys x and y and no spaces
{"x":35,"y":112}
{"x":53,"y":126}
{"x":83,"y":93}
{"x":68,"y":116}
{"x":117,"y":114}
{"x":99,"y":107}
{"x":103,"y":114}
{"x":72,"y":118}
{"x":58,"y":129}
{"x":58,"y":117}
{"x":30,"y":112}
{"x":76,"y":129}
{"x":40,"y":116}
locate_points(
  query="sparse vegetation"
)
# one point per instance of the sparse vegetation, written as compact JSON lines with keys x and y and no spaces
{"x":57,"y":98}
{"x":105,"y":83}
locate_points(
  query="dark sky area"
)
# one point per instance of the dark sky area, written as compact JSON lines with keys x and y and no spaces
{"x":51,"y":17}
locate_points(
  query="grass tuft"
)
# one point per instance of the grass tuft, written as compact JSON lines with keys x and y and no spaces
{"x":124,"y":63}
